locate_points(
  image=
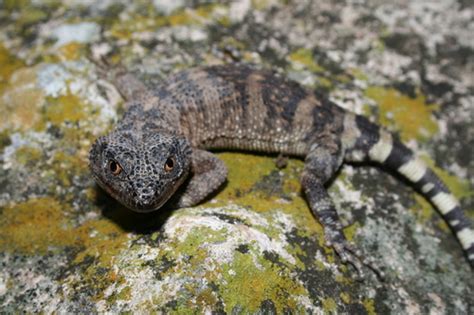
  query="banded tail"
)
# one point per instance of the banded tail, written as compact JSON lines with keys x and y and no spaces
{"x":366,"y":141}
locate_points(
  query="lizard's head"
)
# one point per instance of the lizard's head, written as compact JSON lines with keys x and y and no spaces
{"x":142,"y":172}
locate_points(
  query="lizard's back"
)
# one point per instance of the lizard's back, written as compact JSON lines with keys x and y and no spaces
{"x":247,"y":109}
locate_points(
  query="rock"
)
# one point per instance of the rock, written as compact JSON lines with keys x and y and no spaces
{"x":253,"y":247}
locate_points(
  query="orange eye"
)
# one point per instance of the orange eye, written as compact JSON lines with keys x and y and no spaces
{"x":115,"y":167}
{"x":169,"y":164}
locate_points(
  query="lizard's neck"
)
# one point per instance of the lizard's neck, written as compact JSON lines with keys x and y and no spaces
{"x":144,"y":118}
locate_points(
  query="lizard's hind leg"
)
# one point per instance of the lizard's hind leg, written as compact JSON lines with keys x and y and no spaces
{"x":321,"y":164}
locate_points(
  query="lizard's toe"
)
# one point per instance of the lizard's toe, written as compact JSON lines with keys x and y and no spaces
{"x":353,"y":256}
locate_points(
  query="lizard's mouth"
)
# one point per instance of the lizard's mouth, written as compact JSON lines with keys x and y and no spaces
{"x":145,"y":206}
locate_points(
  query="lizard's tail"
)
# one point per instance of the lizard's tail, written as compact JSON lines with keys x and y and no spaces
{"x":372,"y":143}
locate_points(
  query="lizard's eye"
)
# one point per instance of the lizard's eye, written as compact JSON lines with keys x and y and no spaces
{"x":169,"y":164}
{"x":115,"y":167}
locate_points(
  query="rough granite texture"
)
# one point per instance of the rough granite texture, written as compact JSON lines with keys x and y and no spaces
{"x":254,"y":247}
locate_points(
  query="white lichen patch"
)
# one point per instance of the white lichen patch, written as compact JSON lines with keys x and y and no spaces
{"x":343,"y":192}
{"x":189,"y":33}
{"x":239,"y":9}
{"x":181,"y":226}
{"x":85,"y":32}
{"x":53,"y":78}
{"x":32,"y":139}
{"x":78,"y":79}
{"x":167,"y":6}
{"x":352,"y":100}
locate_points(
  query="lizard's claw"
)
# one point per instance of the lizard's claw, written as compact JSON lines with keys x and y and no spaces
{"x":353,"y":256}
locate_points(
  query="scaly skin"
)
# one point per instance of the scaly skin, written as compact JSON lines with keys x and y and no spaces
{"x":158,"y":152}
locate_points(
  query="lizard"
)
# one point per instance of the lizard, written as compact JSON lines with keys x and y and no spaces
{"x":159,"y":153}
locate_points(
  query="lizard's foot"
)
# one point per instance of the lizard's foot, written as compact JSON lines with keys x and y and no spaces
{"x":351,"y":255}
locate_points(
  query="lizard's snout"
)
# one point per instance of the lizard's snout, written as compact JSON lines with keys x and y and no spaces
{"x":145,"y":194}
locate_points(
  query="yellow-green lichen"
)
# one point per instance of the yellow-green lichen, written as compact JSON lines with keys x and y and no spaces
{"x":351,"y":230}
{"x":246,"y":171}
{"x":42,"y":224}
{"x":65,"y":108}
{"x":66,"y":165}
{"x":460,"y":187}
{"x":28,"y":156}
{"x":423,"y":209}
{"x":412,"y":117}
{"x":303,"y":58}
{"x":34,"y":227}
{"x":12,"y":5}
{"x":206,"y":297}
{"x":30,"y":16}
{"x":329,"y":306}
{"x":8,"y":64}
{"x":136,"y":23}
{"x":369,"y":306}
{"x":124,"y":294}
{"x":345,"y":297}
{"x":262,"y":4}
{"x":199,"y":15}
{"x":185,"y":17}
{"x":199,"y":235}
{"x":246,"y":286}
{"x":100,"y":241}
{"x":358,"y":74}
{"x":71,"y":51}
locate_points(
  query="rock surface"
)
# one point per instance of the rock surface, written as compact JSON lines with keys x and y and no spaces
{"x":254,"y":247}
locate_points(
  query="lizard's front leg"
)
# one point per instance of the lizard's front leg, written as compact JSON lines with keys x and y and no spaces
{"x":320,"y":165}
{"x":208,"y":173}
